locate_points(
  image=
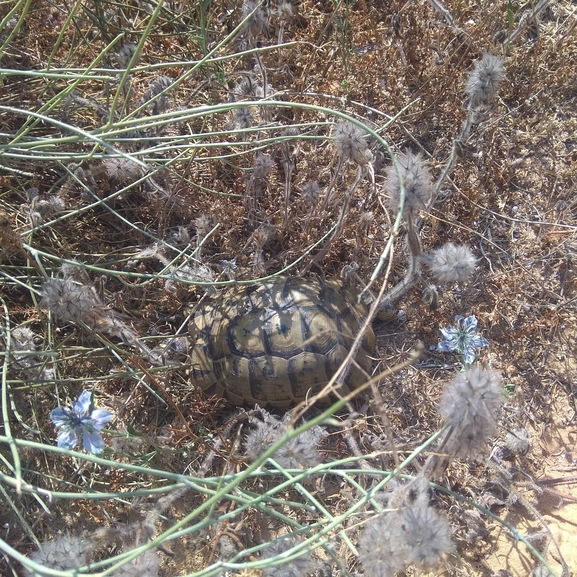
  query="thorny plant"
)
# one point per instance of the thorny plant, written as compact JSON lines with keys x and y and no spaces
{"x":127,"y":159}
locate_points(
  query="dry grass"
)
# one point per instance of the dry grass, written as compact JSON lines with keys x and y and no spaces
{"x":511,"y":197}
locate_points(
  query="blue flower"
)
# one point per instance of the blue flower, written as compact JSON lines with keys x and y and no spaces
{"x":81,"y":421}
{"x":462,"y":340}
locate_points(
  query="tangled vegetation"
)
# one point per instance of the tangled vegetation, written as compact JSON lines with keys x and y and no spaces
{"x":152,"y":153}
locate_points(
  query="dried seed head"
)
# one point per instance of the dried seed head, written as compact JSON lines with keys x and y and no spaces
{"x":145,"y":565}
{"x":203,"y":226}
{"x":124,"y":55}
{"x":295,"y":567}
{"x":350,"y":143}
{"x":518,"y":441}
{"x":72,"y":302}
{"x":284,"y":10}
{"x":300,"y":452}
{"x":451,"y":263}
{"x":311,"y":192}
{"x":158,"y":85}
{"x":417,"y":182}
{"x":471,"y":404}
{"x":257,"y":25}
{"x":411,"y":532}
{"x":122,"y":171}
{"x":178,"y":236}
{"x":247,"y":86}
{"x":262,"y":165}
{"x":243,"y":118}
{"x":66,"y":552}
{"x":427,"y":534}
{"x":381,"y":552}
{"x":264,"y":234}
{"x":484,"y":80}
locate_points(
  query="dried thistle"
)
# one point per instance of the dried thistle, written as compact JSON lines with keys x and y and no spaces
{"x":262,"y":165}
{"x":261,"y":237}
{"x":203,"y":226}
{"x":69,"y":301}
{"x":72,"y":302}
{"x":471,"y":405}
{"x":243,"y":118}
{"x":124,"y":55}
{"x":416,"y":180}
{"x":122,"y":171}
{"x":485,"y":79}
{"x":351,"y":144}
{"x":451,"y":263}
{"x":297,"y":567}
{"x":145,"y":565}
{"x":158,"y":85}
{"x":410,"y":532}
{"x":518,"y":441}
{"x":257,"y":24}
{"x":64,"y":553}
{"x":300,"y":452}
{"x":311,"y":192}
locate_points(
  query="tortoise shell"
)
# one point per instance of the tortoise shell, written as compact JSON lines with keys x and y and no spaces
{"x":275,"y":343}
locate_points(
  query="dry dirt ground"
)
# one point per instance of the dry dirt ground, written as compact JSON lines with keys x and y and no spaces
{"x":512,"y":197}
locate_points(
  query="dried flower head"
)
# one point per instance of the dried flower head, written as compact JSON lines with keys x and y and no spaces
{"x":158,"y":85}
{"x":451,"y":263}
{"x":83,"y":420}
{"x":257,"y":24}
{"x":69,"y":301}
{"x":125,"y":53}
{"x":471,"y":404}
{"x":381,"y":551}
{"x":297,"y":567}
{"x":284,"y":10}
{"x":261,"y":237}
{"x":243,"y":118}
{"x":145,"y":565}
{"x":484,"y":80}
{"x":427,"y":534}
{"x":262,"y":165}
{"x":300,"y":452}
{"x":351,"y":144}
{"x":518,"y":441}
{"x":311,"y":192}
{"x":122,"y":171}
{"x":66,"y":552}
{"x":410,"y":532}
{"x":462,"y":340}
{"x":416,"y":180}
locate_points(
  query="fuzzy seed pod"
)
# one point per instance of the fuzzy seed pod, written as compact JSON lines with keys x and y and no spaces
{"x":412,"y":533}
{"x":350,"y":143}
{"x":72,"y":302}
{"x":145,"y":565}
{"x":484,"y":80}
{"x":257,"y":24}
{"x":416,"y":180}
{"x":451,"y":263}
{"x":298,"y":453}
{"x":471,"y":404}
{"x":295,"y":567}
{"x":66,"y":552}
{"x":122,"y":171}
{"x":262,"y":165}
{"x":311,"y":192}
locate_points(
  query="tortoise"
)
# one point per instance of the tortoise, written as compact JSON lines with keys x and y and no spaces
{"x":275,"y":343}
